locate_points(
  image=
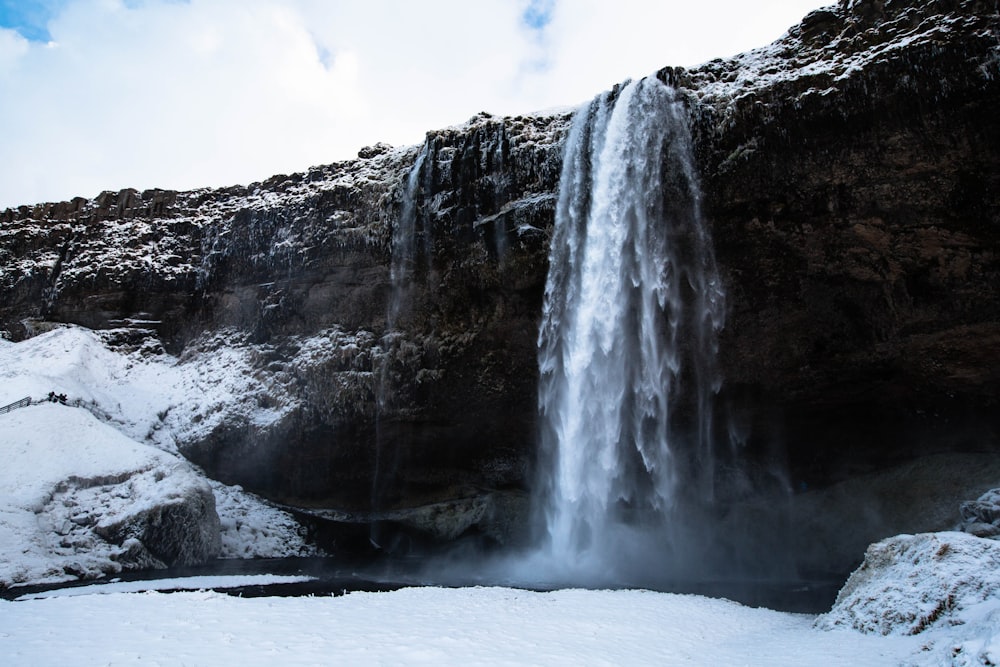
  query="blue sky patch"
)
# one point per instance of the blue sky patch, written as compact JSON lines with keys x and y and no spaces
{"x":538,"y":14}
{"x":29,"y":17}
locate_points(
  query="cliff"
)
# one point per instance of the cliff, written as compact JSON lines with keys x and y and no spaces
{"x":850,"y":173}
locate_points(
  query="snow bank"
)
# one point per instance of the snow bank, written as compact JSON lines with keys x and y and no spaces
{"x":81,"y":482}
{"x":910,"y":583}
{"x":193,"y":583}
{"x":944,"y":586}
{"x":427,"y":626}
{"x":79,"y":499}
{"x":148,"y":395}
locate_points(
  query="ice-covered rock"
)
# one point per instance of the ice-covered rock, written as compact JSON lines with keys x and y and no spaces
{"x":910,"y":584}
{"x":981,"y":517}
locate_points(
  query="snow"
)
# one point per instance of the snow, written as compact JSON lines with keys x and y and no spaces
{"x":193,"y":583}
{"x":49,"y":443}
{"x":66,"y":474}
{"x":71,"y":471}
{"x":504,"y":626}
{"x":420,"y":626}
{"x":945,"y":586}
{"x":112,"y":624}
{"x":69,"y":468}
{"x":823,"y":68}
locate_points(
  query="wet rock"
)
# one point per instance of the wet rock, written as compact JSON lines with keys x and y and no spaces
{"x":832,"y":526}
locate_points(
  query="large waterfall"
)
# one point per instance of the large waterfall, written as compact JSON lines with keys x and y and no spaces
{"x":633,"y":304}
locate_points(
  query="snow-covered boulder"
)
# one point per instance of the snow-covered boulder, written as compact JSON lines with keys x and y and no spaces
{"x":981,"y":517}
{"x":909,"y":584}
{"x":145,"y":402}
{"x":80,"y":499}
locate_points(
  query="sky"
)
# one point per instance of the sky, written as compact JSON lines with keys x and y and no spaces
{"x":106,"y":94}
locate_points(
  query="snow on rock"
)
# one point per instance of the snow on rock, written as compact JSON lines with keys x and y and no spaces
{"x":79,"y":499}
{"x":95,"y":486}
{"x":191,"y":583}
{"x":981,"y":517}
{"x":252,"y":528}
{"x":910,"y":584}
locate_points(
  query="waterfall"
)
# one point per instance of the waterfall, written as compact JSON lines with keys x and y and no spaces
{"x":404,"y":248}
{"x":402,"y":278}
{"x":633,"y":304}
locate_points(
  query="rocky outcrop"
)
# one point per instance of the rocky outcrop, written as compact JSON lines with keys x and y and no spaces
{"x":82,"y":500}
{"x":850,"y":175}
{"x":910,"y":584}
{"x":981,"y":517}
{"x":160,"y":527}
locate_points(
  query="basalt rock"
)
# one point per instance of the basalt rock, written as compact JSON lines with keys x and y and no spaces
{"x":850,"y":174}
{"x":297,"y":268}
{"x":853,"y":182}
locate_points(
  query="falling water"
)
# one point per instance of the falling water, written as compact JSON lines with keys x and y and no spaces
{"x":627,"y":346}
{"x":402,"y":274}
{"x":404,"y":248}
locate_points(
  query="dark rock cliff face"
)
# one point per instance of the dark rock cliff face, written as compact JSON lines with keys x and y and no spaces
{"x":856,"y":209}
{"x":851,"y":176}
{"x":297,"y":268}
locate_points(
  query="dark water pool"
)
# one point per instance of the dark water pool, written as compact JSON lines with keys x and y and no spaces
{"x":331,"y":576}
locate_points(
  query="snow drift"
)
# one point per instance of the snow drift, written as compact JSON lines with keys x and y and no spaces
{"x":945,"y":585}
{"x":95,"y":486}
{"x":79,"y":499}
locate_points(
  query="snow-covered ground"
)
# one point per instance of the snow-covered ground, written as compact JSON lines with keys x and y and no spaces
{"x":70,"y":472}
{"x":926,"y":599}
{"x":426,"y":626}
{"x":434,"y":626}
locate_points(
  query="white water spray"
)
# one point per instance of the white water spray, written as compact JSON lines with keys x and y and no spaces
{"x":627,"y":346}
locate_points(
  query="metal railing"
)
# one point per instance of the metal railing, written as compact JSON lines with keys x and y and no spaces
{"x":89,"y":406}
{"x":23,"y":403}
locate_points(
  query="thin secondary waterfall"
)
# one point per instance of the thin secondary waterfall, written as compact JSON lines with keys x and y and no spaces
{"x":404,"y":248}
{"x":627,"y":345}
{"x":402,"y":273}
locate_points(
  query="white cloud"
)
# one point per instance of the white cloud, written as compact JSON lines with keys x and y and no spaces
{"x":160,"y":93}
{"x":13,"y":47}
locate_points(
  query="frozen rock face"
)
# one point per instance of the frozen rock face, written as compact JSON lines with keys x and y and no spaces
{"x":851,"y":182}
{"x":181,"y":528}
{"x":296,"y":271}
{"x":175,"y":524}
